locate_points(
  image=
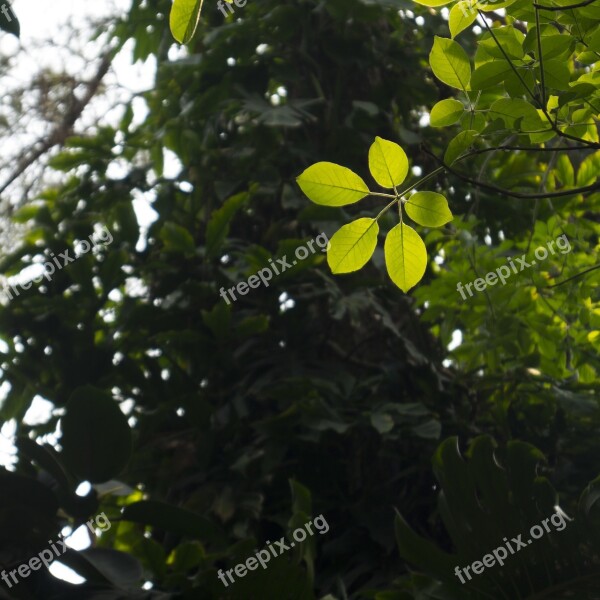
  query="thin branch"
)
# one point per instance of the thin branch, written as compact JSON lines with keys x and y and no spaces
{"x":538,"y":35}
{"x":509,"y":193}
{"x":574,"y":276}
{"x":568,"y":7}
{"x":64,"y":129}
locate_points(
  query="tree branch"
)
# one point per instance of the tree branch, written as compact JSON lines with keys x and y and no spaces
{"x":64,"y":129}
{"x":568,"y":7}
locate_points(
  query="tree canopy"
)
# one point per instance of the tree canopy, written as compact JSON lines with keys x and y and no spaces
{"x":368,"y":295}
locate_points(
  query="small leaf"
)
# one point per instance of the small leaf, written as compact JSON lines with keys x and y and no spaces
{"x":218,"y":226}
{"x":461,"y":16}
{"x":332,"y":185}
{"x":446,"y":112}
{"x":352,"y":245}
{"x":458,"y":145}
{"x":382,"y":422}
{"x":184,"y":18}
{"x":388,"y":163}
{"x":433,"y":3}
{"x":428,"y":209}
{"x":405,"y":256}
{"x":450,"y":64}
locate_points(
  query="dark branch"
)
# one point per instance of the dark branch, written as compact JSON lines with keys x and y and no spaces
{"x":65,"y":128}
{"x":568,"y":7}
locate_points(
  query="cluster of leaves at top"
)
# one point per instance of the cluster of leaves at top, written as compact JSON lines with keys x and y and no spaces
{"x":184,"y":18}
{"x":353,"y":244}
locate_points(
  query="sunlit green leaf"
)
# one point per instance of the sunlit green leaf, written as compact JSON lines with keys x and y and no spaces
{"x":352,"y":245}
{"x":184,"y":18}
{"x":458,"y":145}
{"x":446,"y":112}
{"x":461,"y":16}
{"x":388,"y":163}
{"x":428,"y":209}
{"x":449,"y":63}
{"x":405,"y":256}
{"x":332,"y":185}
{"x":490,"y":74}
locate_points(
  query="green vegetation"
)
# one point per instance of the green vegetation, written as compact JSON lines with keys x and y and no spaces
{"x":358,"y":385}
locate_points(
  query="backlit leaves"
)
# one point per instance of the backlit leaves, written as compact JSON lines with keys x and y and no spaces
{"x":446,"y":112}
{"x":184,"y":18}
{"x":332,"y":185}
{"x":449,"y":63}
{"x":405,"y":256}
{"x":352,"y":246}
{"x":388,"y":163}
{"x":428,"y":209}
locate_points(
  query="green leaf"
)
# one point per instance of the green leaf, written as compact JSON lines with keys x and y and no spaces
{"x":388,"y":163}
{"x":556,"y":74}
{"x":177,"y":238}
{"x":96,"y":438}
{"x":433,"y":3}
{"x":428,"y":209}
{"x":382,"y":422}
{"x":490,"y":74}
{"x":446,"y":112}
{"x":332,"y":185}
{"x":8,"y":20}
{"x":218,"y":226}
{"x":405,"y":256}
{"x":352,"y":245}
{"x":461,"y":16}
{"x":458,"y":145}
{"x":450,"y":64}
{"x":184,"y":18}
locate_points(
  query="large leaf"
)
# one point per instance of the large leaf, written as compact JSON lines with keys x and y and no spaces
{"x":449,"y":63}
{"x":388,"y":163}
{"x":96,"y":438}
{"x":184,"y":18}
{"x":405,"y":256}
{"x":352,"y":245}
{"x":446,"y":112}
{"x":332,"y":185}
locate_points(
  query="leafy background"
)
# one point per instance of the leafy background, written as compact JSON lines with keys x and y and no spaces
{"x":328,"y":394}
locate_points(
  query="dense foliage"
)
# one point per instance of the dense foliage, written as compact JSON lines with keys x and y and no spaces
{"x":424,"y":423}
